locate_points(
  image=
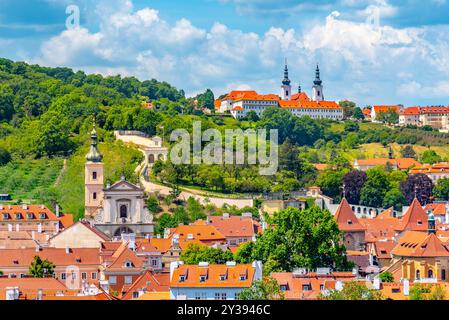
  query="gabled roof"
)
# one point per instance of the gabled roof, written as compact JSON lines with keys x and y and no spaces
{"x":124,"y":185}
{"x":149,"y":282}
{"x":415,"y":219}
{"x":346,"y":219}
{"x":420,"y":244}
{"x":86,"y":225}
{"x":401,"y":163}
{"x":234,"y":226}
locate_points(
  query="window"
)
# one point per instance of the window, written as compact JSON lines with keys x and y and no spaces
{"x":18,"y":216}
{"x":154,"y":262}
{"x":63,"y":276}
{"x":22,"y":275}
{"x":112,"y":280}
{"x":321,"y":287}
{"x":94,"y":275}
{"x":242,"y":277}
{"x":306,"y":287}
{"x":84,"y":276}
{"x":182,"y":278}
{"x":223,"y":277}
{"x":128,"y":279}
{"x":123,"y":211}
{"x":443,"y":274}
{"x":128,"y":264}
{"x":30,"y":216}
{"x":418,"y":275}
{"x":94,"y":175}
{"x":284,"y":287}
{"x":217,"y":295}
{"x":224,"y":296}
{"x":94,"y":196}
{"x":42,"y":215}
{"x":73,"y":276}
{"x":197,"y":295}
{"x":430,"y":274}
{"x":135,"y":295}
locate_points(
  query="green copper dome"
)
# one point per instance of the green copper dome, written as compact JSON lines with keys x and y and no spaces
{"x":94,"y":154}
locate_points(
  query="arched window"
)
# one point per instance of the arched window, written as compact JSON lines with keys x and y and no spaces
{"x":430,"y":274}
{"x":443,"y":274}
{"x":151,"y":158}
{"x":123,"y":211}
{"x":94,"y":196}
{"x":94,"y":175}
{"x":418,"y":275}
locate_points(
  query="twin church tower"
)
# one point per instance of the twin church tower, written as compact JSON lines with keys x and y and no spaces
{"x":317,"y":89}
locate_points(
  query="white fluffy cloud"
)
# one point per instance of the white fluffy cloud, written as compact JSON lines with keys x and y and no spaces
{"x":360,"y":61}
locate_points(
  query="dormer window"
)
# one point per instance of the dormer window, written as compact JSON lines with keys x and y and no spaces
{"x":30,"y":216}
{"x":18,"y":216}
{"x":419,"y":222}
{"x":5,"y":216}
{"x":129,"y":264}
{"x":42,"y":216}
{"x":349,"y":221}
{"x":242,"y":277}
{"x":182,"y":278}
{"x":223,"y":277}
{"x":203,"y":278}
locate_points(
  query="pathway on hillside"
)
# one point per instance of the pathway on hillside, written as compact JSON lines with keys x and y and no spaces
{"x":151,"y":187}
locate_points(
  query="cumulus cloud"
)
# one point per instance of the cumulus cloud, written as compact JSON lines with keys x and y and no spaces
{"x":360,"y":61}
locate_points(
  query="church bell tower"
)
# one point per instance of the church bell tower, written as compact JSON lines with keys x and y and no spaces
{"x":286,"y":88}
{"x":317,"y":90}
{"x":93,"y":180}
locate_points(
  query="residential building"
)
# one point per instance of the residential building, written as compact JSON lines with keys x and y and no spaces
{"x":440,"y":210}
{"x":148,"y":283}
{"x":212,"y":281}
{"x":79,"y":235}
{"x":434,"y":116}
{"x":435,"y":171}
{"x":236,"y":229}
{"x":273,"y":206}
{"x":33,"y":218}
{"x":402,"y":164}
{"x":304,"y":285}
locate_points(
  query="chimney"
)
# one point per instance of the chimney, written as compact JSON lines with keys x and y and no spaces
{"x":33,"y":234}
{"x":406,"y":285}
{"x":39,"y":294}
{"x":67,"y":250}
{"x":38,"y":248}
{"x":376,"y":283}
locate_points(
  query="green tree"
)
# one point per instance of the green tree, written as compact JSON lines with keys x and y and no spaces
{"x":408,"y":152}
{"x":386,"y":277}
{"x":394,"y":198}
{"x":389,"y":117}
{"x":41,"y":268}
{"x":196,"y":253}
{"x":430,"y":157}
{"x":206,"y":100}
{"x":5,"y":156}
{"x":301,"y":238}
{"x":331,"y":182}
{"x":358,"y":114}
{"x":265,"y":289}
{"x":252,"y":116}
{"x":438,"y":293}
{"x":375,"y":188}
{"x":441,"y":190}
{"x":419,"y":292}
{"x":353,"y":291}
{"x":348,"y":108}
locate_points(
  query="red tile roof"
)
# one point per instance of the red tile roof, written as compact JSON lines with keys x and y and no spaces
{"x":346,"y":219}
{"x":414,"y":219}
{"x":234,"y":226}
{"x":420,"y":244}
{"x":149,"y":282}
{"x":213,"y":273}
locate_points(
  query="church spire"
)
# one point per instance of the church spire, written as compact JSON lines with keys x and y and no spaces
{"x":94,"y":154}
{"x":317,"y":76}
{"x":286,"y":81}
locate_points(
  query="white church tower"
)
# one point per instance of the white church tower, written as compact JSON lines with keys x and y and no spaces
{"x":317,"y":90}
{"x":286,"y":89}
{"x":93,"y":177}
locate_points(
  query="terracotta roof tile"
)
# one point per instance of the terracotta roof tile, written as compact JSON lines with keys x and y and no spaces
{"x":346,"y":219}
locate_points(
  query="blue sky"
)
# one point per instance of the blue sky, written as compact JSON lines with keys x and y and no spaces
{"x":369,"y":51}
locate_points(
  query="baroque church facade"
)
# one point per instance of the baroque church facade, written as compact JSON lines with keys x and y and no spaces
{"x":116,"y":209}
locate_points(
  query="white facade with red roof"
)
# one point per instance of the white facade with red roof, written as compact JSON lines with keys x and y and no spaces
{"x":240,"y":103}
{"x":434,"y":116}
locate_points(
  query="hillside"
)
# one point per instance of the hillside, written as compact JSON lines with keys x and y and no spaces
{"x":46,"y":115}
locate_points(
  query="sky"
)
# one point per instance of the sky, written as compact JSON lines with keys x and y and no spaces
{"x":369,"y":51}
